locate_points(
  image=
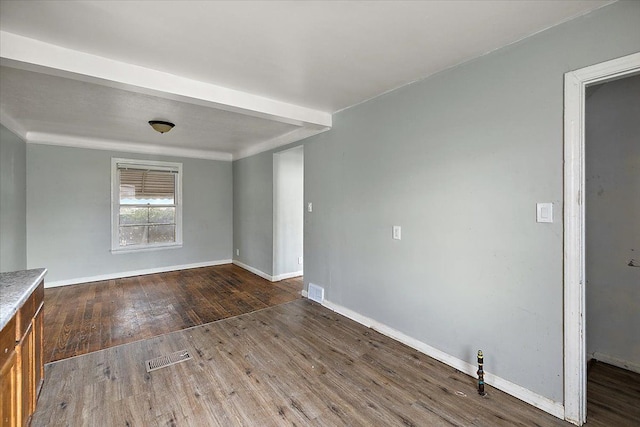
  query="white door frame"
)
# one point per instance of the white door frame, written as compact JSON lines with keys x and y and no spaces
{"x":276,"y":274}
{"x":575,"y":82}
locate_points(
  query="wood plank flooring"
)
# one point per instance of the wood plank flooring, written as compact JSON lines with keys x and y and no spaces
{"x":293,"y":364}
{"x":613,"y":396}
{"x":83,"y":318}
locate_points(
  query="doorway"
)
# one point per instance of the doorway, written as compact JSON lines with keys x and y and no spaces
{"x":288,"y":213}
{"x":575,"y":356}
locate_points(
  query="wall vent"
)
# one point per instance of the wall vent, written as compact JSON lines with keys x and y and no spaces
{"x":316,"y":293}
{"x":167,"y":360}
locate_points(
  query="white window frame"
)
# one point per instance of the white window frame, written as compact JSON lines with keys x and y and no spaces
{"x":115,"y":204}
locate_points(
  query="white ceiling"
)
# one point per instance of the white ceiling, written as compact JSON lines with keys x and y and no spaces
{"x":47,"y":104}
{"x":235,"y":77}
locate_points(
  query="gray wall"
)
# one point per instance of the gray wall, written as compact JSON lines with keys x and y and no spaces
{"x":459,"y":160}
{"x":288,"y":201}
{"x":13,"y":205}
{"x":69,"y":213}
{"x":613,"y":220}
{"x":253,"y":209}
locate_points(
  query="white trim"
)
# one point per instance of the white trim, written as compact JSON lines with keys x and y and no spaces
{"x":146,"y":248}
{"x":575,"y":83}
{"x":124,"y":274}
{"x":265,"y":275}
{"x":274,"y":214}
{"x":253,"y":270}
{"x":284,"y":276}
{"x":34,"y":55}
{"x":279,"y":141}
{"x":554,"y":408}
{"x":115,"y":204}
{"x":275,"y":159}
{"x":574,"y":372}
{"x":10,"y":123}
{"x":127,"y":147}
{"x":615,"y":361}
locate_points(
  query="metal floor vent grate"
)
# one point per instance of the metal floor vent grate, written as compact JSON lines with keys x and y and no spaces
{"x":168,"y":360}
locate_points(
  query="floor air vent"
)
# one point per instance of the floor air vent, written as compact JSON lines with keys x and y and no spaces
{"x":316,"y":293}
{"x":168,"y":360}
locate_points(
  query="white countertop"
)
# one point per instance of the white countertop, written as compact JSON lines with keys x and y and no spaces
{"x":15,"y":289}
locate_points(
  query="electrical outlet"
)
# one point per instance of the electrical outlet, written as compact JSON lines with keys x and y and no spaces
{"x":300,"y":260}
{"x":309,"y":207}
{"x":237,"y":252}
{"x":397,"y":232}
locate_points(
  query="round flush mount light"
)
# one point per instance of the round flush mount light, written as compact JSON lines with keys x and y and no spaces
{"x":161,"y":126}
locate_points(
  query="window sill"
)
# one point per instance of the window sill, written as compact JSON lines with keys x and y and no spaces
{"x":134,"y":249}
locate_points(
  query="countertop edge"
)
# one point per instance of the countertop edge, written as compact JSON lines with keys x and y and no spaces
{"x":10,"y":306}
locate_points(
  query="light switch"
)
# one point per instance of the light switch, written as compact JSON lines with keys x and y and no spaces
{"x":397,"y":232}
{"x":544,"y":212}
{"x":309,"y":207}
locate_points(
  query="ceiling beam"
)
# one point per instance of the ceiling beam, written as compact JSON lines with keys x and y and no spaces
{"x":33,"y":55}
{"x":7,"y":121}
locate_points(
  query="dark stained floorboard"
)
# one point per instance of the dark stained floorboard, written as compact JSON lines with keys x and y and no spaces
{"x":296,"y":363}
{"x":83,"y":318}
{"x":613,"y":396}
{"x":344,"y":374}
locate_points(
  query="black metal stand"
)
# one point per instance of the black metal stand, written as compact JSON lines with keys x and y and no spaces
{"x":480,"y":373}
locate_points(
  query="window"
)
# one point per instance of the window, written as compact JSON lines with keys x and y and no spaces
{"x":146,"y":208}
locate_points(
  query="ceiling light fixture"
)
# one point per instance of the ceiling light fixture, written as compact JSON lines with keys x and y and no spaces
{"x":161,"y":126}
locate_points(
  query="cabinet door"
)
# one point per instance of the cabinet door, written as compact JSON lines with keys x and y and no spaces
{"x":9,"y":391}
{"x":26,"y":362}
{"x":38,"y":325}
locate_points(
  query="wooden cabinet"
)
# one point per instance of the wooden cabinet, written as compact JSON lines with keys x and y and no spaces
{"x":22,"y":369}
{"x":8,"y":375}
{"x":26,"y":372}
{"x":38,"y":339}
{"x":9,"y":399}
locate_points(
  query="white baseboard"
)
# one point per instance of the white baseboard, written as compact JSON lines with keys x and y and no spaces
{"x":253,"y":270}
{"x":612,"y":360}
{"x":286,"y":276}
{"x":265,"y":275}
{"x":124,"y":274}
{"x":554,"y":408}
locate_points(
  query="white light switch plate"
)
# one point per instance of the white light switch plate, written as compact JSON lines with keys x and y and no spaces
{"x":309,"y":207}
{"x":544,"y":212}
{"x":397,"y":232}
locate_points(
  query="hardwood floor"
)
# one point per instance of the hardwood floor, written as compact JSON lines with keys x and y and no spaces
{"x":293,"y":364}
{"x":613,"y":396}
{"x":83,"y":318}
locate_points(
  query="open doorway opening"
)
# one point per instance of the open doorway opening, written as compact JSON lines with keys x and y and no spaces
{"x":575,"y":349}
{"x":288,"y":213}
{"x":612,"y":252}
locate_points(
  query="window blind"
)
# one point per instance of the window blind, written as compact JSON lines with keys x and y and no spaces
{"x":146,"y":183}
